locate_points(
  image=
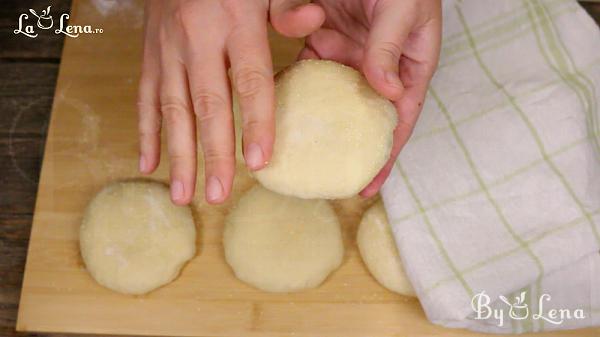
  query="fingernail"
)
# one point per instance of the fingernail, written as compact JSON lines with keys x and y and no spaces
{"x":254,"y":156}
{"x":177,"y":190}
{"x":214,"y":189}
{"x":142,"y":164}
{"x":392,"y":79}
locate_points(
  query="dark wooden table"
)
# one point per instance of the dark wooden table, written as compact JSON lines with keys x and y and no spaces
{"x":28,"y":70}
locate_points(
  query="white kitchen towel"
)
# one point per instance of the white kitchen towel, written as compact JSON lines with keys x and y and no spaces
{"x":496,"y":197}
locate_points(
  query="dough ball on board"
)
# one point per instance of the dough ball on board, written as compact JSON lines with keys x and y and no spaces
{"x":133,"y":239}
{"x":333,"y":134}
{"x":379,"y":252}
{"x":282,"y":244}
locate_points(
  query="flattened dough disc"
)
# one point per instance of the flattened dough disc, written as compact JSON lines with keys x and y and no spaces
{"x":133,"y":239}
{"x":379,"y":252}
{"x":282,"y":244}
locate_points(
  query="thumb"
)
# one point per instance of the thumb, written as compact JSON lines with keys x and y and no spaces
{"x":389,"y":29}
{"x":292,"y":18}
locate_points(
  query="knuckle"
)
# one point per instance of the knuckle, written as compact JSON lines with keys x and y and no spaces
{"x":389,"y":50}
{"x":179,"y":15}
{"x":185,"y":17}
{"x":230,"y":6}
{"x":173,"y":109}
{"x":251,"y":124}
{"x":149,"y":127}
{"x":182,"y":18}
{"x":235,"y":9}
{"x":146,"y":107}
{"x":149,"y":118}
{"x":249,"y":82}
{"x":181,"y":158}
{"x":186,"y":11}
{"x":214,"y":154}
{"x":404,"y":125}
{"x":207,"y":105}
{"x":147,"y":135}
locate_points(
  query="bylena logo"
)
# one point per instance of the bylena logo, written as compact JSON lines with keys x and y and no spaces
{"x":45,"y":22}
{"x":519,"y":310}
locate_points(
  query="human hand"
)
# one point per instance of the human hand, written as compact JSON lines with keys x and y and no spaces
{"x":395,"y":43}
{"x":188,"y":47}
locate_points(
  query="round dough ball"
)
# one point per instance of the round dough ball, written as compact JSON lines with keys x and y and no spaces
{"x":379,"y":252}
{"x":133,"y":239}
{"x":282,"y":244}
{"x":334,"y":133}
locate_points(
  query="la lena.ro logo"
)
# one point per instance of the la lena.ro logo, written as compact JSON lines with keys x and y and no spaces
{"x":45,"y":22}
{"x":519,"y":310}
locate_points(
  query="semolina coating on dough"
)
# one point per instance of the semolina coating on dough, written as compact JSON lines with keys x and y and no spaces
{"x":282,"y":244}
{"x":133,"y":239}
{"x":379,"y":252}
{"x":333,"y":135}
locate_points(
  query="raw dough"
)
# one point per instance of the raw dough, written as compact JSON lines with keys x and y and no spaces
{"x":133,"y":239}
{"x":379,"y":252}
{"x":333,"y":132}
{"x":282,"y":244}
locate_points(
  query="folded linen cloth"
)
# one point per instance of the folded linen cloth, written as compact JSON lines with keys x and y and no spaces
{"x":495,"y":201}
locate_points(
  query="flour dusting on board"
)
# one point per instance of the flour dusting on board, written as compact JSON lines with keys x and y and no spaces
{"x":90,"y":130}
{"x":91,"y":127}
{"x":84,"y":141}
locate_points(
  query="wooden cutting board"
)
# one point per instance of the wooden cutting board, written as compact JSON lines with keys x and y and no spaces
{"x":92,"y":140}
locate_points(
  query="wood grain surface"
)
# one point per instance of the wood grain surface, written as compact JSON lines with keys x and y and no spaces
{"x":81,"y":157}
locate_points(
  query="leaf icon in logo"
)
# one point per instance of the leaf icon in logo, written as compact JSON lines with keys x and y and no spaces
{"x":521,"y":298}
{"x":45,"y":13}
{"x":518,"y":310}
